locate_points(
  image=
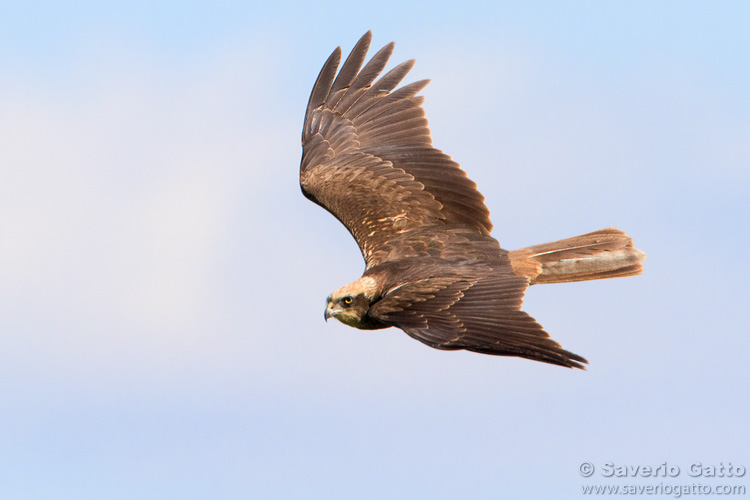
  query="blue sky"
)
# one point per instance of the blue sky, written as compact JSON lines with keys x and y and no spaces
{"x":162,"y":279}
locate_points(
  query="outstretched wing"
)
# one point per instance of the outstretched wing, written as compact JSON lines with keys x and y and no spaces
{"x":368,"y":156}
{"x":477,"y":310}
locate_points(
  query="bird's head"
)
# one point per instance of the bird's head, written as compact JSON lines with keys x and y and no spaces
{"x":351,"y":303}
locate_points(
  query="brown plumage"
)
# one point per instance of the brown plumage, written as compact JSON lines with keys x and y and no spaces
{"x":432,"y":268}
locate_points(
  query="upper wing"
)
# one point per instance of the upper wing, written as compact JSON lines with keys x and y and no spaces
{"x":368,"y":158}
{"x":478,"y":310}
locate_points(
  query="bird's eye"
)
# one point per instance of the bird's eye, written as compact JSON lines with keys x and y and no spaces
{"x":347,"y":301}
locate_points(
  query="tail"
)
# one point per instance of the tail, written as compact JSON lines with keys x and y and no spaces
{"x":606,"y":253}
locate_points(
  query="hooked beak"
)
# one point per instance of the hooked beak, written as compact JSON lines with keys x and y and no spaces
{"x":328,"y":313}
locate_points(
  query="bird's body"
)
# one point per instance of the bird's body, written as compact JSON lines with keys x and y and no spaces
{"x":432,"y":268}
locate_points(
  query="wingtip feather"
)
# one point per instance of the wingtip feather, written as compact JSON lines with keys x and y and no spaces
{"x":353,"y":63}
{"x":325,"y":79}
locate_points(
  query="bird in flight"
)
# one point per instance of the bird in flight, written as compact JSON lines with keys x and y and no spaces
{"x":432,"y":268}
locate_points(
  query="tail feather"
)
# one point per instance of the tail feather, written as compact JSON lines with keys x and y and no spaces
{"x":602,"y":254}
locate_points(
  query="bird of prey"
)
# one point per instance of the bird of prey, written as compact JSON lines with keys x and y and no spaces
{"x":432,"y":268}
